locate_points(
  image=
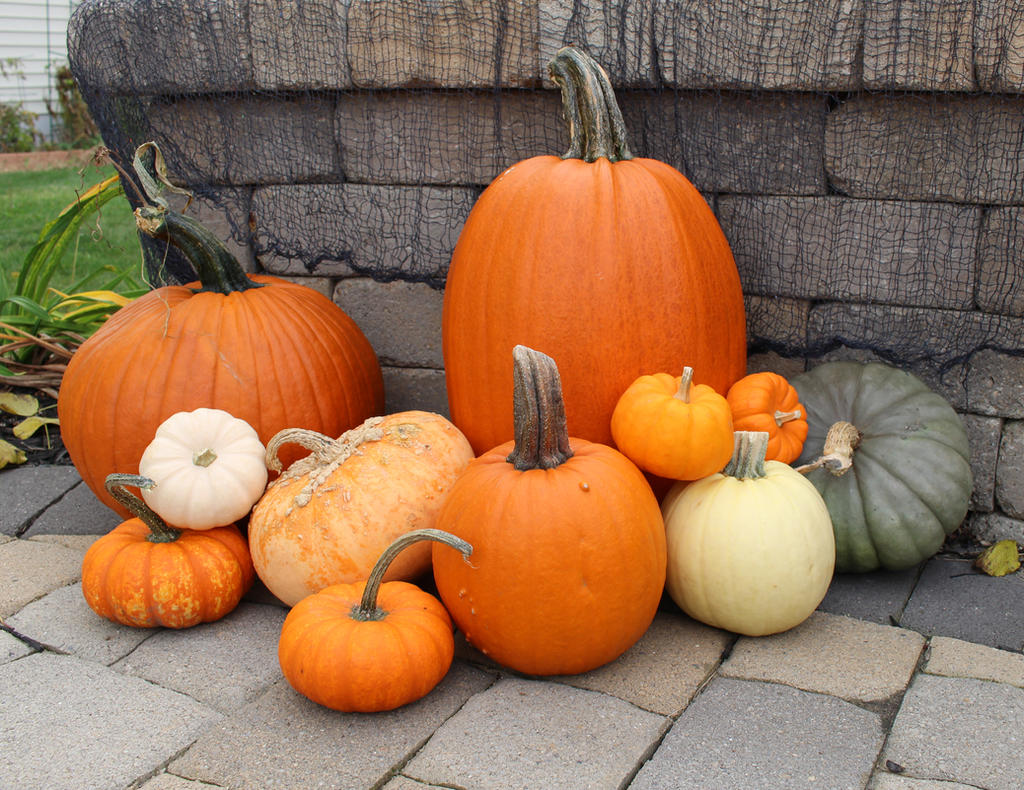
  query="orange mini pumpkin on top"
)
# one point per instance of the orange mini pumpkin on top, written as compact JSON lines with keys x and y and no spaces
{"x":671,"y":428}
{"x":768,"y":402}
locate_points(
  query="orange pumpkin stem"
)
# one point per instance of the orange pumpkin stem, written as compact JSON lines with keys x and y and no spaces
{"x":159,"y":531}
{"x":367,"y":608}
{"x":539,"y":424}
{"x":749,"y":450}
{"x":596,"y":127}
{"x":685,"y":382}
{"x":842,"y":439}
{"x":782,"y":417}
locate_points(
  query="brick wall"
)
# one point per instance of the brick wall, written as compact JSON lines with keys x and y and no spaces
{"x":864,"y":157}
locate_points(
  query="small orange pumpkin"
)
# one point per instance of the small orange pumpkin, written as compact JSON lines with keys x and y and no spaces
{"x":767,"y":402}
{"x":673,"y":429}
{"x":366,"y":646}
{"x":568,"y":541}
{"x":145,"y":574}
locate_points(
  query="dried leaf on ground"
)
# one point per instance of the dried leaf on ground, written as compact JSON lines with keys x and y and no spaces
{"x":999,"y":559}
{"x":19,"y":403}
{"x":9,"y":454}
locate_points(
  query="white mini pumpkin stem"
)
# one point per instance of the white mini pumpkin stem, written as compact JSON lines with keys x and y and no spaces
{"x":367,"y":608}
{"x":837,"y":454}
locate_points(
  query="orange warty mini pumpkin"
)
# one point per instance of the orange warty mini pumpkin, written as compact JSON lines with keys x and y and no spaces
{"x":673,"y":429}
{"x":613,"y":262}
{"x":145,"y":573}
{"x":329,"y":516}
{"x":369,"y":646}
{"x":272,"y":353}
{"x":767,"y":402}
{"x":568,"y":542}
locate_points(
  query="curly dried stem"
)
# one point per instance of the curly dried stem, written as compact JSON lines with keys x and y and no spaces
{"x":159,"y":531}
{"x":323,"y":448}
{"x":841,"y":441}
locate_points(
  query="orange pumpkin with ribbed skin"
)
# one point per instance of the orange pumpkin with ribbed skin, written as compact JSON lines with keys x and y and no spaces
{"x":272,"y":353}
{"x":146,"y":574}
{"x":672,"y":429}
{"x":328,"y":517}
{"x":568,"y":542}
{"x":767,"y":402}
{"x":615,"y":264}
{"x":368,"y":646}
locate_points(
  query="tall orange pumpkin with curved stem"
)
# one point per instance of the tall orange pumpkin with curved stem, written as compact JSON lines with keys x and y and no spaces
{"x":270,"y":352}
{"x":614,"y":263}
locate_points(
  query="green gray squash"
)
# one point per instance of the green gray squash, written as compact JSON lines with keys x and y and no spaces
{"x":898,"y":481}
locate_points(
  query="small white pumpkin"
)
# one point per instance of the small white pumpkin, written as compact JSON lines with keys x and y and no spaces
{"x":750,"y":549}
{"x":208,"y":467}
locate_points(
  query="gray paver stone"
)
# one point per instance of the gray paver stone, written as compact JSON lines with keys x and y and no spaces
{"x":224,"y":664}
{"x":63,"y":621}
{"x":885,"y":781}
{"x":70,"y":723}
{"x":29,"y":569}
{"x":960,"y":729}
{"x":27,"y":491}
{"x":662,"y":671}
{"x":12,"y":648}
{"x":956,"y":658}
{"x":79,"y":543}
{"x":951,"y":599}
{"x":407,"y":389}
{"x":527,"y":734}
{"x":282,"y":740}
{"x":983,"y":434}
{"x":167,"y":781}
{"x":740,"y":733}
{"x":834,"y":655}
{"x":1010,"y":470}
{"x":876,"y":596}
{"x":78,"y":512}
{"x":405,"y":783}
{"x":993,"y":527}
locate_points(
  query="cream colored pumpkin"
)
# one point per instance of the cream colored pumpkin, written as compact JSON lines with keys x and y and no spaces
{"x":330,"y":515}
{"x":750,"y":549}
{"x":207,"y":467}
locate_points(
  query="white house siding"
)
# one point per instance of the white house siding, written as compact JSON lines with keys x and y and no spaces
{"x":35,"y":33}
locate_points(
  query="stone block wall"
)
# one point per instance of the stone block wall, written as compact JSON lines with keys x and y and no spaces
{"x":864,"y":157}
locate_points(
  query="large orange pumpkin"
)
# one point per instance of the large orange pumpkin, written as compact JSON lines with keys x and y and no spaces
{"x":272,"y":353}
{"x":568,"y":541}
{"x":614,"y":263}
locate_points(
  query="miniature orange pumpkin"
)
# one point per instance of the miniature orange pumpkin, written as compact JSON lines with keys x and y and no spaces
{"x":767,"y":402}
{"x":568,"y":542}
{"x":328,"y":517}
{"x":670,"y":428}
{"x":146,"y":574}
{"x":366,"y":646}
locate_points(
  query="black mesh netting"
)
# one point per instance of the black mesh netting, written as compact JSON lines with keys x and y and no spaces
{"x":864,"y":158}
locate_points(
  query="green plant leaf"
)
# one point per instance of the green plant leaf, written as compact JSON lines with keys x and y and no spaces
{"x":999,"y":559}
{"x":28,"y":426}
{"x":9,"y":454}
{"x":21,"y":404}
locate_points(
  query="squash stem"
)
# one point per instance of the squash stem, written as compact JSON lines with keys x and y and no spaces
{"x":685,"y":382}
{"x":367,"y":608}
{"x":842,"y":439}
{"x":782,"y":417}
{"x":159,"y":531}
{"x":322,"y":447}
{"x":596,"y":127}
{"x":539,"y":424}
{"x":749,"y":450}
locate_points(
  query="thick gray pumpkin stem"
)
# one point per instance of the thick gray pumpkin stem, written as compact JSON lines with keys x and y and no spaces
{"x":541,"y":431}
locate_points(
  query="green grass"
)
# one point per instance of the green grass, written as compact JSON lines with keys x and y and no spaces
{"x":29,"y":200}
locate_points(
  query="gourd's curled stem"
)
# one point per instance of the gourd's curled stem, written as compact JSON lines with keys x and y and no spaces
{"x":159,"y":531}
{"x":367,"y":608}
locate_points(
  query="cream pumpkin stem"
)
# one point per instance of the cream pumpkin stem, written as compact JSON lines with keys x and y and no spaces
{"x":842,"y":439}
{"x":596,"y":127}
{"x":685,"y":382}
{"x":159,"y":531}
{"x":367,"y":608}
{"x":748,"y":454}
{"x":539,"y":424}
